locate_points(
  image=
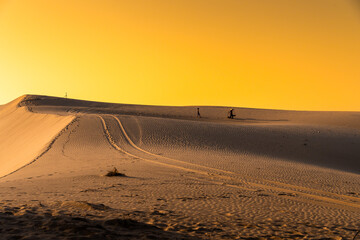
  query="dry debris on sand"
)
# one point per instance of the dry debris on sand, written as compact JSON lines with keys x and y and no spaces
{"x":114,"y":173}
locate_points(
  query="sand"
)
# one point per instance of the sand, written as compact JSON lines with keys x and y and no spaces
{"x":267,"y":174}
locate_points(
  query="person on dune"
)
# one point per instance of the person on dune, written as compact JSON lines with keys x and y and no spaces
{"x":231,"y":114}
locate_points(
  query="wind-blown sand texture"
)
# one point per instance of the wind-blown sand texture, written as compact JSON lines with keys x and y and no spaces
{"x":265,"y":174}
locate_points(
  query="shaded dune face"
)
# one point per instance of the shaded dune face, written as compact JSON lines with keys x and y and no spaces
{"x":317,"y":145}
{"x":30,"y":124}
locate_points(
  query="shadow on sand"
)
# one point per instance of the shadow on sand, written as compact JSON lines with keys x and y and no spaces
{"x":32,"y":225}
{"x":254,"y":120}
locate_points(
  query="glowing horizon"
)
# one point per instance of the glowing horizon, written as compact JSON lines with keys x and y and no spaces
{"x":295,"y":55}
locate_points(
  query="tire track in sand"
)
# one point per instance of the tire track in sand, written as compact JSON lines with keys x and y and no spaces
{"x":308,"y":197}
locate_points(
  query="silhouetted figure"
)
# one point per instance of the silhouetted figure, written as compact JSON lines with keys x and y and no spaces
{"x":198,"y":113}
{"x":231,"y":114}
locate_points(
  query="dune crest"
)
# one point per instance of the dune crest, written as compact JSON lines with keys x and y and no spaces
{"x":25,"y":135}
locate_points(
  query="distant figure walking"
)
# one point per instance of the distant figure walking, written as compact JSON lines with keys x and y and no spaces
{"x":231,"y":114}
{"x":198,"y":113}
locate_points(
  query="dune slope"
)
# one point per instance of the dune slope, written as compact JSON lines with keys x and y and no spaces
{"x":25,"y":135}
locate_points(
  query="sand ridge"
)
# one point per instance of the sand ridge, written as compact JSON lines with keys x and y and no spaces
{"x":26,"y":136}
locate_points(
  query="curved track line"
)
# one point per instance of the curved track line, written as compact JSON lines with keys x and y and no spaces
{"x":259,"y":185}
{"x":112,"y":142}
{"x":155,"y":155}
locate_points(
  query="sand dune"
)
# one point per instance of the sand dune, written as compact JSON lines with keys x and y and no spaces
{"x":266,"y":173}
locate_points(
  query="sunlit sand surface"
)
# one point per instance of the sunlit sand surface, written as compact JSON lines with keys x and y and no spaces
{"x":265,"y":174}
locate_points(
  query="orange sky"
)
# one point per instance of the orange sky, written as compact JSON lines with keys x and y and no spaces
{"x":281,"y":54}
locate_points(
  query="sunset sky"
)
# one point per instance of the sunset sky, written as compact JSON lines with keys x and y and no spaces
{"x":282,"y":54}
